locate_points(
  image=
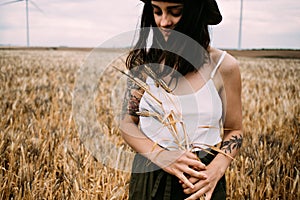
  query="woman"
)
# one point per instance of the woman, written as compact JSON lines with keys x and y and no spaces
{"x":160,"y":171}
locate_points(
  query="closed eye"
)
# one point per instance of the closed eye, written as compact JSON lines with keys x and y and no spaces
{"x":156,"y":10}
{"x":175,"y":11}
{"x":159,"y":13}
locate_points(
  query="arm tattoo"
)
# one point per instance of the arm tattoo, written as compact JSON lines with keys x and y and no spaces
{"x":234,"y":143}
{"x":132,"y":99}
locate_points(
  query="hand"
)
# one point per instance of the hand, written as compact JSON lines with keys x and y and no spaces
{"x":203,"y":187}
{"x":182,"y":164}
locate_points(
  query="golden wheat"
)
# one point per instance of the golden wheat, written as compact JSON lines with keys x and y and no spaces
{"x":42,"y":157}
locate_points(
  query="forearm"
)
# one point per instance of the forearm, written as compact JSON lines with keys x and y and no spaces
{"x":230,"y":145}
{"x":138,"y":141}
{"x":232,"y":142}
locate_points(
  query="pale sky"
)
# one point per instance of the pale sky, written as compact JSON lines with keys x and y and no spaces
{"x":89,"y":23}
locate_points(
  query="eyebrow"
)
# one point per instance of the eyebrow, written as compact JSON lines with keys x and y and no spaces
{"x":169,"y":7}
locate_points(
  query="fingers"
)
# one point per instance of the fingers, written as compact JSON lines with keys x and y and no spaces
{"x":194,"y":173}
{"x":188,"y":168}
{"x":193,"y":180}
{"x":186,"y":181}
{"x":204,"y":192}
{"x":194,"y":161}
{"x":167,"y":158}
{"x":178,"y":171}
{"x":200,"y":196}
{"x":188,"y":176}
{"x":196,"y":164}
{"x":198,"y":187}
{"x":185,"y":166}
{"x":191,"y":155}
{"x":202,"y":187}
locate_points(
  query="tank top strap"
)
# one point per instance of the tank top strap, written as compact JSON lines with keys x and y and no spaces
{"x":218,"y":64}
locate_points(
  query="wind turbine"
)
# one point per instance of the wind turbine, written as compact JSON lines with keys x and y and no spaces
{"x":27,"y":15}
{"x":240,"y":29}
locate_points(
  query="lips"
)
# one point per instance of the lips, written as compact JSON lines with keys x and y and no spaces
{"x":166,"y":32}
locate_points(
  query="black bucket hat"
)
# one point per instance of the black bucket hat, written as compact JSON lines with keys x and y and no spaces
{"x":213,"y":13}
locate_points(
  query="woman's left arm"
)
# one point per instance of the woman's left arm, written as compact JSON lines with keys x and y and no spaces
{"x":233,"y":135}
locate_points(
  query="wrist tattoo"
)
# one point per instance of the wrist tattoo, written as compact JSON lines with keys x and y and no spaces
{"x":234,"y":143}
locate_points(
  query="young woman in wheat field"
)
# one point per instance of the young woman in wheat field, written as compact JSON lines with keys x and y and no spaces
{"x":190,"y":107}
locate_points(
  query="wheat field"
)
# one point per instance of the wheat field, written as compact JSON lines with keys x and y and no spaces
{"x":42,"y":156}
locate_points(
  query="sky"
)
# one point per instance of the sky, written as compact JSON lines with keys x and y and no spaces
{"x":90,"y":23}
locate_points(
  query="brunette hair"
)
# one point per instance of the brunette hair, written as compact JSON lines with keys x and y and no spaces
{"x":185,"y":52}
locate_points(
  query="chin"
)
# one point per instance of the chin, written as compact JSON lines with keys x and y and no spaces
{"x":166,"y":36}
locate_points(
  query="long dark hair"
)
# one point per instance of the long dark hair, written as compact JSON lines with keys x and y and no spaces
{"x":185,"y":52}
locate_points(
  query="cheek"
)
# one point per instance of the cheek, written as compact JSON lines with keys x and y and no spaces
{"x":177,"y":20}
{"x":157,"y":20}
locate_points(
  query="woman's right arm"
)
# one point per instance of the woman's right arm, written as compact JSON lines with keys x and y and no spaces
{"x":136,"y":139}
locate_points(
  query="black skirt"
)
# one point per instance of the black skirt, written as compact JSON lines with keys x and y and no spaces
{"x":149,"y":182}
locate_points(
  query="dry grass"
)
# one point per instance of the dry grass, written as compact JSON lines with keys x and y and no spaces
{"x":41,"y":156}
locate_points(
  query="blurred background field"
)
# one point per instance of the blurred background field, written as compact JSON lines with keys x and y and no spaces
{"x":42,"y":157}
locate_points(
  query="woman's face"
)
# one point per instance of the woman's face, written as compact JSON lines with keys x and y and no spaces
{"x":166,"y":16}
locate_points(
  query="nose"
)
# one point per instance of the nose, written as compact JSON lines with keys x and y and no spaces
{"x":166,"y":21}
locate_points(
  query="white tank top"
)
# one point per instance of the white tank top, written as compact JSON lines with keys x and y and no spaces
{"x":200,"y":113}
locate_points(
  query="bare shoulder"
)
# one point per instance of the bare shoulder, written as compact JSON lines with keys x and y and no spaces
{"x":231,"y":76}
{"x":230,"y":66}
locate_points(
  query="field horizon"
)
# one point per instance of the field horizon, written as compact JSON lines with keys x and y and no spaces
{"x":254,"y":53}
